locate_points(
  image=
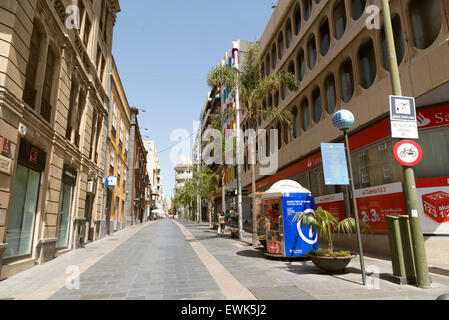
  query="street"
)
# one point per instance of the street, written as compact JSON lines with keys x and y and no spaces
{"x":168,"y":260}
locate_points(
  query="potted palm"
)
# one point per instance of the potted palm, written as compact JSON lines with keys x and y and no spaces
{"x":330,"y":260}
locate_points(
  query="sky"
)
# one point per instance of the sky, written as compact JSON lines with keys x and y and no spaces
{"x":164,"y":50}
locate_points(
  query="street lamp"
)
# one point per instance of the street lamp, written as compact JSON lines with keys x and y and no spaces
{"x":344,"y":120}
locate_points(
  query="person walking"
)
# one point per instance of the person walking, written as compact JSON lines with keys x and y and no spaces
{"x":222,"y":224}
{"x":232,"y":213}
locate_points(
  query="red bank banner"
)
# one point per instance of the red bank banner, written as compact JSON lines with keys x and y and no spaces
{"x":433,"y":197}
{"x":334,"y":203}
{"x":377,"y":202}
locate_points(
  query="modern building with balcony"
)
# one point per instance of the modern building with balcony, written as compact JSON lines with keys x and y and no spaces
{"x":54,"y":97}
{"x":342,"y":64}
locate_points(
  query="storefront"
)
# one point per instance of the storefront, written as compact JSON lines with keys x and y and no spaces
{"x":25,"y":197}
{"x":67,"y":194}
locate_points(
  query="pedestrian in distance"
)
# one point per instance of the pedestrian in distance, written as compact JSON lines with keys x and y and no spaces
{"x":222,"y":224}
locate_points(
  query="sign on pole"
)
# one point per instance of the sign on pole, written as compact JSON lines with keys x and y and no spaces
{"x":408,"y":153}
{"x":404,"y":124}
{"x":335,"y":165}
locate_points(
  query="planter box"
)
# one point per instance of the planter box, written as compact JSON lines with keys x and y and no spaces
{"x":330,"y":264}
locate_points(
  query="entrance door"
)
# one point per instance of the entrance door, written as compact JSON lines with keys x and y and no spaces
{"x":64,"y":217}
{"x":23,"y":210}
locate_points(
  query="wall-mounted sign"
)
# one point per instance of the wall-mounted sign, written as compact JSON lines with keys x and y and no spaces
{"x":5,"y":146}
{"x":22,"y":129}
{"x":403,"y":118}
{"x":408,"y":153}
{"x":5,"y":165}
{"x":404,"y":130}
{"x":31,"y":156}
{"x":111,"y":182}
{"x":69,"y":175}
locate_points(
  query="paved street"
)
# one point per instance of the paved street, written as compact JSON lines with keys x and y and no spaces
{"x":173,"y":261}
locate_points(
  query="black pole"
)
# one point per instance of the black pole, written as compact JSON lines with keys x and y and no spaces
{"x":354,"y":202}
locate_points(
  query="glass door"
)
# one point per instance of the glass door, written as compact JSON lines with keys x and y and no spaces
{"x":23,"y":210}
{"x":64,"y":217}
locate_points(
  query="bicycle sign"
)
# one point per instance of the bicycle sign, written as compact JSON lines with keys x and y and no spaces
{"x":408,"y":153}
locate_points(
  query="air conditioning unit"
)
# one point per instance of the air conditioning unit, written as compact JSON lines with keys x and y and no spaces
{"x":91,"y":187}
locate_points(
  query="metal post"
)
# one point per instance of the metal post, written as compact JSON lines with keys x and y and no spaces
{"x":356,"y":213}
{"x":238,"y":153}
{"x":419,"y":250}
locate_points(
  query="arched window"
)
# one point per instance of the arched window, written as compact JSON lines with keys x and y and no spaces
{"x":29,"y":93}
{"x":297,"y":122}
{"x":339,"y":19}
{"x":317,"y":106}
{"x":307,"y":8}
{"x":367,"y":63}
{"x":305,"y":114}
{"x":325,"y":36}
{"x":297,"y":16}
{"x":270,"y":101}
{"x":398,"y":39}
{"x":279,"y":129}
{"x":358,"y":7}
{"x":284,"y":92}
{"x":347,"y":80}
{"x":267,"y":64}
{"x":286,"y":132}
{"x":288,"y":32}
{"x":426,"y":20}
{"x":331,"y":95}
{"x":273,"y":56}
{"x":311,"y":50}
{"x":291,"y":67}
{"x":302,"y":65}
{"x":276,"y":99}
{"x":281,"y":45}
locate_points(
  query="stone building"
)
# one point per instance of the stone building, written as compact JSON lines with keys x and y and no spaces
{"x":54,"y":89}
{"x":342,"y":64}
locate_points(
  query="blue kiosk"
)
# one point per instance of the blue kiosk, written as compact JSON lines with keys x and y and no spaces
{"x":280,"y":204}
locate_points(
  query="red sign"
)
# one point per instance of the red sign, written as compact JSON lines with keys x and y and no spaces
{"x":408,"y":153}
{"x":377,"y":202}
{"x":274,"y":247}
{"x":436,"y":206}
{"x":433,"y":117}
{"x":5,"y":146}
{"x":334,"y":203}
{"x":34,"y":155}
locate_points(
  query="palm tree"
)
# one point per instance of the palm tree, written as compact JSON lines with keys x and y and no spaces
{"x":208,"y":188}
{"x":253,"y":88}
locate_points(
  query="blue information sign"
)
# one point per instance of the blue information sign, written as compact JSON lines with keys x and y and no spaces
{"x":334,"y":164}
{"x":299,"y":238}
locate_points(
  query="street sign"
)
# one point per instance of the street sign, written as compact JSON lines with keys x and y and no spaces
{"x":334,"y":164}
{"x":111,"y":182}
{"x":402,"y":108}
{"x":404,"y":130}
{"x":408,"y":153}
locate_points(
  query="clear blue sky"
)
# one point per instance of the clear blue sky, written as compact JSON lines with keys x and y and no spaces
{"x":164,"y":49}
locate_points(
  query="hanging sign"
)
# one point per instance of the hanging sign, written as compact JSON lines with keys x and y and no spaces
{"x":408,"y":153}
{"x":403,"y":118}
{"x":334,"y":164}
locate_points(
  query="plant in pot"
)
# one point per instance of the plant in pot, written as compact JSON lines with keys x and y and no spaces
{"x":330,"y":260}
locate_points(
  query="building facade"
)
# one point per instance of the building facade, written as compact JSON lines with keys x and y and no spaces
{"x":154,"y":174}
{"x":53,"y":114}
{"x":342,"y":64}
{"x":116,"y":165}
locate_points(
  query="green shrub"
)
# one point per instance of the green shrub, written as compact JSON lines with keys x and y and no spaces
{"x":327,"y":253}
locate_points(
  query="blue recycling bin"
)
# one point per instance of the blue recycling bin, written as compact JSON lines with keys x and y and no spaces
{"x":285,"y":237}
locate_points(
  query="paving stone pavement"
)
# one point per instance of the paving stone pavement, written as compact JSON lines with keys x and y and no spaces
{"x":155,"y":264}
{"x":278,"y":280}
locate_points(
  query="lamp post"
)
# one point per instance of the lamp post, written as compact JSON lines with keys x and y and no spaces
{"x":419,"y":250}
{"x":344,"y":120}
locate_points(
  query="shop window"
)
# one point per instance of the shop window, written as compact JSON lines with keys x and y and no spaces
{"x":325,"y":37}
{"x":435,"y":162}
{"x":339,"y":19}
{"x":305,"y":114}
{"x":288,"y":33}
{"x":311,"y":50}
{"x":358,"y":7}
{"x":398,"y":39}
{"x":307,"y":8}
{"x":273,"y":56}
{"x":367,"y":63}
{"x":317,"y":107}
{"x":281,"y":45}
{"x":347,"y":80}
{"x":29,"y":93}
{"x":298,"y":18}
{"x":331,"y":95}
{"x":426,"y":21}
{"x":302,"y":65}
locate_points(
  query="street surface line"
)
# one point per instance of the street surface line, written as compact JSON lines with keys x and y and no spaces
{"x":231,"y":288}
{"x":49,"y":289}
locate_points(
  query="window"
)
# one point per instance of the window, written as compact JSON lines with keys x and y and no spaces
{"x":296,"y":117}
{"x":305,"y":114}
{"x":92,"y":133}
{"x":119,"y":168}
{"x":122,"y":125}
{"x":398,"y":39}
{"x":288,"y":32}
{"x":297,"y":16}
{"x":347,"y":80}
{"x":358,"y":7}
{"x":87,"y":31}
{"x":126,"y":140}
{"x":331,"y":96}
{"x":279,"y":129}
{"x":339,"y":19}
{"x":276,"y":99}
{"x":311,"y":50}
{"x":112,"y":160}
{"x":307,"y":8}
{"x":286,"y":131}
{"x":426,"y":21}
{"x":325,"y":37}
{"x":367,"y":63}
{"x":281,"y":45}
{"x":48,"y":83}
{"x":302,"y":65}
{"x":267,"y":64}
{"x":125,"y":174}
{"x":114,"y":115}
{"x":29,"y":93}
{"x":273,"y":56}
{"x":284,"y":91}
{"x":317,"y":107}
